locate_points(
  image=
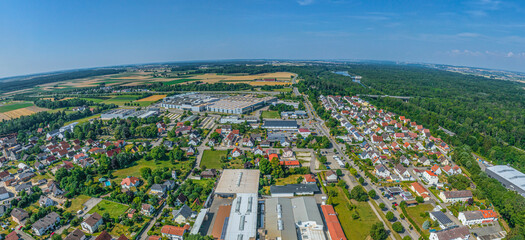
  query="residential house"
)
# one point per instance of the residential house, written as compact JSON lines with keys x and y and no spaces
{"x":248,"y":142}
{"x":19,"y":215}
{"x":288,"y":153}
{"x":309,"y":178}
{"x":174,"y":233}
{"x":130,"y":182}
{"x":403,"y":172}
{"x":147,"y":209}
{"x":442,"y":219}
{"x":158,"y":189}
{"x":331,"y":177}
{"x":4,"y":194}
{"x":49,"y":222}
{"x":210,"y":173}
{"x":456,"y":196}
{"x":436,"y":169}
{"x":236,"y":152}
{"x":477,"y":217}
{"x":459,"y":233}
{"x":420,"y":190}
{"x":104,"y":236}
{"x":77,"y":234}
{"x":45,"y":201}
{"x":181,"y":199}
{"x":430,"y":177}
{"x":182,"y":215}
{"x":381,"y":171}
{"x":92,"y":223}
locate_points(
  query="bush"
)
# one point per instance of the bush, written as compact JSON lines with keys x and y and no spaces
{"x":390,"y":216}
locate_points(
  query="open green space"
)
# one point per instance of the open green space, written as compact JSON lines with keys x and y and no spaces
{"x":283,"y":90}
{"x":14,"y":106}
{"x":353,"y":228}
{"x":183,"y":166}
{"x":182,"y":80}
{"x":83,"y":120}
{"x":77,"y":202}
{"x":112,"y":208}
{"x":292,"y":179}
{"x":271,"y":114}
{"x":212,"y":159}
{"x":415,"y":213}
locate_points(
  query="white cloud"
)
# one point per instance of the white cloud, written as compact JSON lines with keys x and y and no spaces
{"x":305,"y":2}
{"x":469,"y":35}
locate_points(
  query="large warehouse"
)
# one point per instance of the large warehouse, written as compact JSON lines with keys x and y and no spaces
{"x":235,"y":181}
{"x":240,"y":104}
{"x":280,"y":125}
{"x":509,"y":177}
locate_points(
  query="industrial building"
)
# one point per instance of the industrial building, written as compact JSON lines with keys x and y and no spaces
{"x":509,"y":177}
{"x":292,"y":218}
{"x":236,"y":181}
{"x":128,"y":113}
{"x":280,"y":125}
{"x":240,"y":104}
{"x":291,"y":190}
{"x":242,"y":222}
{"x":237,"y":120}
{"x":199,"y":102}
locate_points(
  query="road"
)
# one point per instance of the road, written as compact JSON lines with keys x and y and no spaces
{"x":319,"y":124}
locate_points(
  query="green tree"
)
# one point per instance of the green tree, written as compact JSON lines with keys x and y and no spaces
{"x":389,"y":216}
{"x":372,"y":193}
{"x":420,"y":199}
{"x":378,"y":231}
{"x":398,"y":227}
{"x":358,"y":193}
{"x":265,"y":166}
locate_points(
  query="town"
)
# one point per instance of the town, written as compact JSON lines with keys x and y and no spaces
{"x":242,"y":166}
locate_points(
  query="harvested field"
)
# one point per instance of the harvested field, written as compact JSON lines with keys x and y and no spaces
{"x":21,"y":112}
{"x":152,"y":98}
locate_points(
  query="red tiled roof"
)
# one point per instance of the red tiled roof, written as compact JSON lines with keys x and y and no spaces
{"x":419,"y":188}
{"x":309,"y":178}
{"x":488,"y":213}
{"x":333,"y":224}
{"x":431,"y":173}
{"x":172,"y":230}
{"x":290,"y":163}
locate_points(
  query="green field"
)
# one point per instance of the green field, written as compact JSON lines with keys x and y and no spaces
{"x":14,"y":106}
{"x":212,"y":159}
{"x":271,"y":114}
{"x":358,"y":228}
{"x":83,"y":120}
{"x":283,"y":90}
{"x":114,"y":209}
{"x":177,"y":81}
{"x":76,"y":203}
{"x":292,"y":179}
{"x":416,"y":211}
{"x":184,"y":166}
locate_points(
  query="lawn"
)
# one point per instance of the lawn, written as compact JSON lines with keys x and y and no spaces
{"x":184,"y":166}
{"x":292,"y":179}
{"x":353,"y":228}
{"x":212,"y":159}
{"x":271,"y":114}
{"x":177,"y":81}
{"x":416,"y":211}
{"x":83,"y":120}
{"x":14,"y":106}
{"x":77,"y":202}
{"x":95,"y":100}
{"x":283,"y":90}
{"x":114,"y":209}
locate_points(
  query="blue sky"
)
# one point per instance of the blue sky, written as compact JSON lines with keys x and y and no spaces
{"x":41,"y":36}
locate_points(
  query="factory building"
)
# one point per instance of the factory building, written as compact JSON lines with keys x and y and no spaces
{"x":509,"y":177}
{"x":240,"y":104}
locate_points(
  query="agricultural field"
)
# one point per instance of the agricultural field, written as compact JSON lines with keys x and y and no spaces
{"x":152,"y":98}
{"x":114,"y":209}
{"x":18,"y":109}
{"x":212,"y":159}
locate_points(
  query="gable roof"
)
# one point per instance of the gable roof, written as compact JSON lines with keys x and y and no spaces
{"x":172,"y":230}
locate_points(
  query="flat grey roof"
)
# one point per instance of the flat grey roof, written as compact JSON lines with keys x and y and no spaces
{"x":510,"y":174}
{"x":305,"y":210}
{"x":279,"y":220}
{"x":295,"y":188}
{"x":279,"y":123}
{"x":235,"y":181}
